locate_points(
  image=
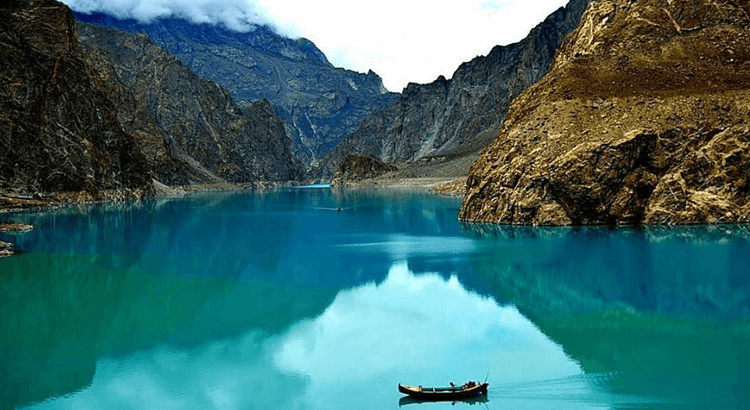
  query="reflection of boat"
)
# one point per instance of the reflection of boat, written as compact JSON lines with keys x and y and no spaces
{"x":453,"y":393}
{"x":407,"y":400}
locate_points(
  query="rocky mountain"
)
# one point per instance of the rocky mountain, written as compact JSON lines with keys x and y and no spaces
{"x":319,"y":103}
{"x":106,"y":115}
{"x":643,"y":119}
{"x":189,"y":127}
{"x":460,"y":116}
{"x":59,"y":130}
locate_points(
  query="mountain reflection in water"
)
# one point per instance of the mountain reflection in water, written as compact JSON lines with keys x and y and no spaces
{"x":667,"y":308}
{"x":273,"y":300}
{"x":370,"y":338}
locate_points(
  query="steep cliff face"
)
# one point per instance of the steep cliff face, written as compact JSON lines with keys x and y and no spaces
{"x":190,"y":127}
{"x":268,"y":138}
{"x":320,"y":104}
{"x":643,"y":119}
{"x":59,"y":131}
{"x":436,"y":119}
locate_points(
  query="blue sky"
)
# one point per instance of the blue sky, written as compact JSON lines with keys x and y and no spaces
{"x":401,"y":40}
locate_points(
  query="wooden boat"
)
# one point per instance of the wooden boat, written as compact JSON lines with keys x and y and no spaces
{"x":453,"y":393}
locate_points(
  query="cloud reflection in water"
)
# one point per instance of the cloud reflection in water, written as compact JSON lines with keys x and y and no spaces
{"x":416,"y":329}
{"x":425,"y":323}
{"x":410,"y":329}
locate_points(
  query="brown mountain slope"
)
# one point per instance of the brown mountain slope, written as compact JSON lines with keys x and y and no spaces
{"x":642,"y":119}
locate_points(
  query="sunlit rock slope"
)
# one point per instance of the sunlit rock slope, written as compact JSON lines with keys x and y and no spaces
{"x":642,"y":119}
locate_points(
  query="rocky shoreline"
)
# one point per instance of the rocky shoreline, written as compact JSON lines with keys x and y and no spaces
{"x":444,"y":175}
{"x":455,"y":188}
{"x":6,"y":248}
{"x":442,"y":186}
{"x":12,"y":203}
{"x":24,"y":202}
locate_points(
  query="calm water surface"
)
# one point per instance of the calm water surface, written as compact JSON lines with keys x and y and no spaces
{"x":282,"y":301}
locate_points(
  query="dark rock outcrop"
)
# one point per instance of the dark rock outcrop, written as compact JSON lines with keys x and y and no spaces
{"x":460,"y":116}
{"x":320,"y":104}
{"x":59,"y":131}
{"x":356,"y":168}
{"x":643,"y":119}
{"x":274,"y":149}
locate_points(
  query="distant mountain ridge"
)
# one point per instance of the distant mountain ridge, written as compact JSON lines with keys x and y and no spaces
{"x":174,"y":33}
{"x":460,"y":116}
{"x":198,"y":126}
{"x":319,"y":103}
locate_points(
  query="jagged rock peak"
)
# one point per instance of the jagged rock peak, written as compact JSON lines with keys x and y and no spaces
{"x":642,"y":119}
{"x":415,"y":89}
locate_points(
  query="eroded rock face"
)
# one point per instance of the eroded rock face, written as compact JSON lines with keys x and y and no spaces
{"x":355,"y":168}
{"x":460,"y":116}
{"x":58,"y":127}
{"x":642,"y":119}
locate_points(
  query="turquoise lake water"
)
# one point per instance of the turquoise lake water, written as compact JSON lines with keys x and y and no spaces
{"x":317,"y":299}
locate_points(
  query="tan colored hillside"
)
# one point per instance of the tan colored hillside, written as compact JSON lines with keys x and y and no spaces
{"x":644,"y":118}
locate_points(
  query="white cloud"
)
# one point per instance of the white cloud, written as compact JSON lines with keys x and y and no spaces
{"x":402,"y":40}
{"x":409,"y":40}
{"x":238,"y":15}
